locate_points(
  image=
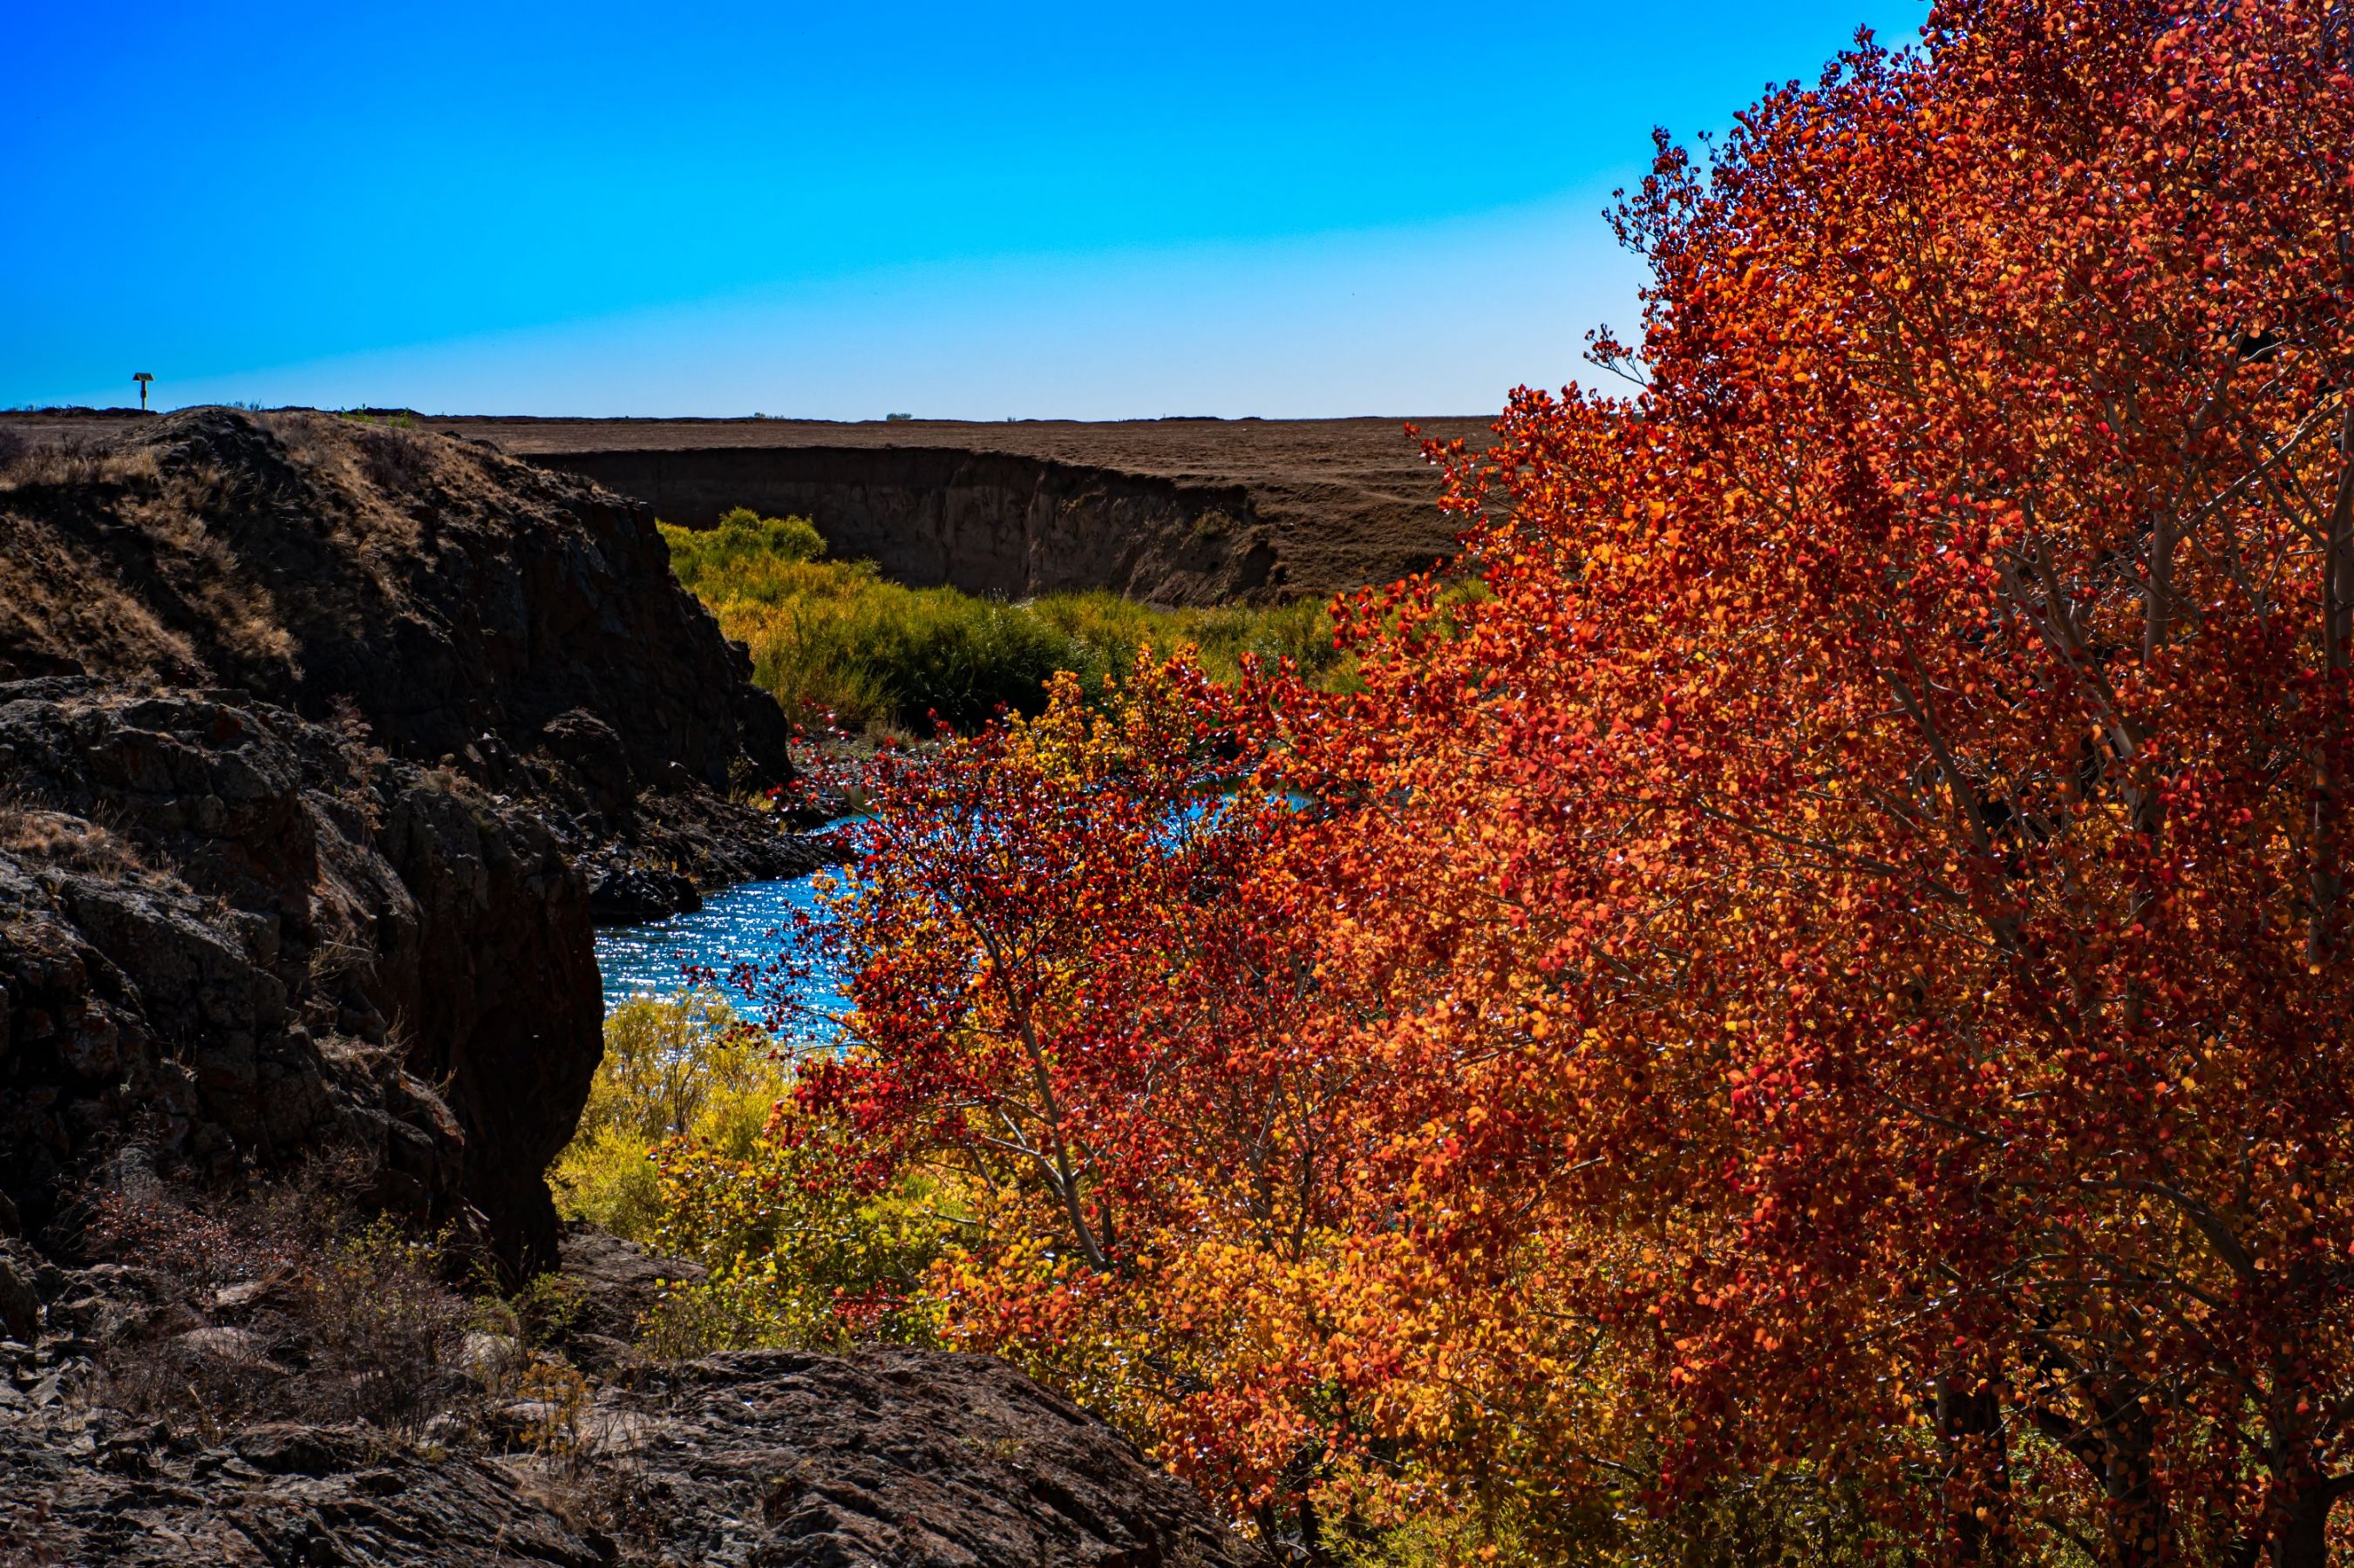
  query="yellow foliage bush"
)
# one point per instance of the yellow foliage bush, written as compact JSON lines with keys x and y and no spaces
{"x":672,"y":1152}
{"x":794,"y":1262}
{"x":679,"y":1067}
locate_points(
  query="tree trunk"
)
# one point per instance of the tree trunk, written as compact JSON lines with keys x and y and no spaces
{"x":2114,"y":1443}
{"x":1975,"y":1472}
{"x":2296,"y":1513}
{"x":2140,"y":1533}
{"x":2301,"y":1531}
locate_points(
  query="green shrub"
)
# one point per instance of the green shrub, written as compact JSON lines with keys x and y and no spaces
{"x":1111,"y":628}
{"x":873,"y":653}
{"x":719,"y":556}
{"x":836,"y":639}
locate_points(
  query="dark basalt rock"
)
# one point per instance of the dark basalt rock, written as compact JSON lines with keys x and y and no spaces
{"x":325,"y":723}
{"x":902,"y":1458}
{"x":92,"y":1487}
{"x":893,"y":1458}
{"x":618,"y":1282}
{"x":232,"y":938}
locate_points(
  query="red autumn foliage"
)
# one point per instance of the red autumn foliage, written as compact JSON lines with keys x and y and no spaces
{"x":1840,"y":968}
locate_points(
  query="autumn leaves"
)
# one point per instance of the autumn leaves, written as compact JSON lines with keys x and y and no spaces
{"x":1820,"y":1005}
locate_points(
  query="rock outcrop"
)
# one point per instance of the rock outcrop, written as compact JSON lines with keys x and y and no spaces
{"x":897,"y":1456}
{"x":231,"y":937}
{"x":893,"y":1458}
{"x":517,"y":626}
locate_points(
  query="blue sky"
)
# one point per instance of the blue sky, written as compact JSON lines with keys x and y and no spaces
{"x":1085,"y":211}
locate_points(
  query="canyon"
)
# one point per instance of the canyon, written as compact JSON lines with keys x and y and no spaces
{"x":324,"y":746}
{"x":1178,"y":512}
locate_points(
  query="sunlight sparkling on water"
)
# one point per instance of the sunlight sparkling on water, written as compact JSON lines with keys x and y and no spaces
{"x":746,"y":923}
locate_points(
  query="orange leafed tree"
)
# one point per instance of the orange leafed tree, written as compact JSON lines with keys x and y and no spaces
{"x":1085,"y":1020}
{"x":1881,"y":857}
{"x":1837,"y":971}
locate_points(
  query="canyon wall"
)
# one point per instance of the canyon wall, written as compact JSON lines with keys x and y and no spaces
{"x":998,"y":524}
{"x":1172,"y":511}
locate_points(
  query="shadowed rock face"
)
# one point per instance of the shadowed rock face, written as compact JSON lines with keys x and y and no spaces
{"x":232,"y":938}
{"x":989,"y":522}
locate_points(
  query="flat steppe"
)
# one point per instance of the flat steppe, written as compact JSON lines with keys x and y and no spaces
{"x":1370,"y":450}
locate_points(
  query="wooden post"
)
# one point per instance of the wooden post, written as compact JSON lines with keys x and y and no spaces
{"x":143,"y":378}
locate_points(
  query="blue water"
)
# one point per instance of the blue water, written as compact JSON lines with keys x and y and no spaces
{"x":748,"y":922}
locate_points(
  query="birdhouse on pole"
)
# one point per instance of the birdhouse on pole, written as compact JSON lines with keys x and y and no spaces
{"x":143,"y":378}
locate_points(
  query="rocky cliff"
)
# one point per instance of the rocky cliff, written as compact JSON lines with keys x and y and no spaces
{"x":321,"y":745}
{"x":230,"y":939}
{"x":516,"y":626}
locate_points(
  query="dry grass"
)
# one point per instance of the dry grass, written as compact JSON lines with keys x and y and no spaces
{"x":374,"y":473}
{"x":28,"y":828}
{"x":286,"y":1306}
{"x":69,"y":460}
{"x":395,"y":460}
{"x":61,"y":596}
{"x":282,"y":1308}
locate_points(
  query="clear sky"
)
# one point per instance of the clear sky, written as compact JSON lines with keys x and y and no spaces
{"x":841,"y":210}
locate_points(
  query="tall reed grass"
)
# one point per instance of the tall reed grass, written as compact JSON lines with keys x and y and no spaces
{"x":835,"y":638}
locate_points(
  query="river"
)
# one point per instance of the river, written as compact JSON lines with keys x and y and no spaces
{"x":735,"y":924}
